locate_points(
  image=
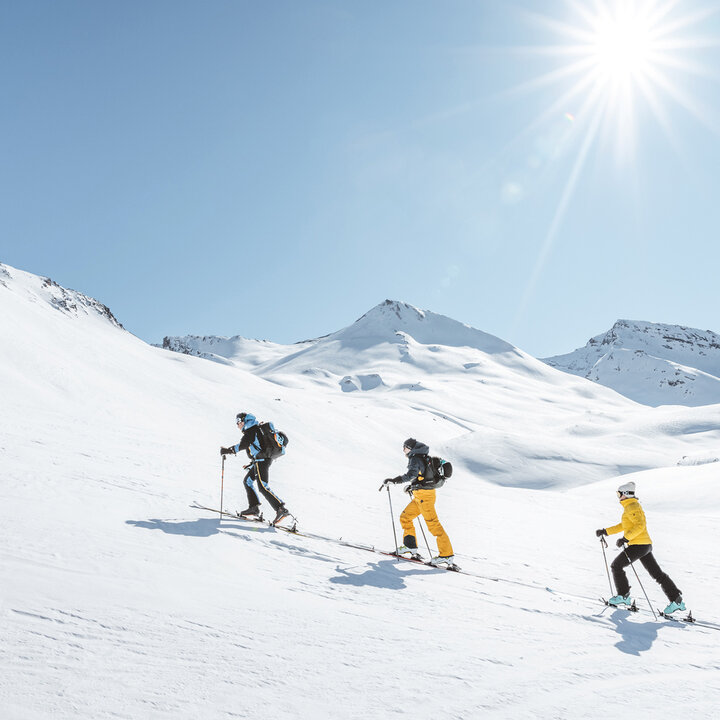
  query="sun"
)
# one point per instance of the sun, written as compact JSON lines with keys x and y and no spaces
{"x":615,"y":57}
{"x":624,"y":45}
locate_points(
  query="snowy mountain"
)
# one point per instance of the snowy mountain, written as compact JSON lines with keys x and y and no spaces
{"x":118,"y":600}
{"x":391,"y":328}
{"x":651,"y":363}
{"x":467,"y":378}
{"x":45,"y":292}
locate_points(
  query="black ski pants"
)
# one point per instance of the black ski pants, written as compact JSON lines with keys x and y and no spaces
{"x":260,"y":472}
{"x":644,"y":554}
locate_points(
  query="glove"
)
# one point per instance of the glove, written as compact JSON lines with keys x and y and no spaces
{"x":408,"y":489}
{"x":601,"y":532}
{"x":621,"y":542}
{"x":226,"y":451}
{"x":387,"y":481}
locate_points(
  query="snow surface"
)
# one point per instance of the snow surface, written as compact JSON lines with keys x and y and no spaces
{"x":118,"y":600}
{"x":652,"y":363}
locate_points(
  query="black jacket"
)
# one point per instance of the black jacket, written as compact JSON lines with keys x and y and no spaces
{"x":419,"y":470}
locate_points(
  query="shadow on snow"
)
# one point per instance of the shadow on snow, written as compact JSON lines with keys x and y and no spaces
{"x":387,"y":574}
{"x":204,"y":527}
{"x":636,"y":637}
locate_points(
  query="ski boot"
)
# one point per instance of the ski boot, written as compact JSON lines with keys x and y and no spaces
{"x":408,"y":552}
{"x":674,"y":606}
{"x":440,"y":560}
{"x":281,"y":514}
{"x":619,"y":600}
{"x":252,"y":511}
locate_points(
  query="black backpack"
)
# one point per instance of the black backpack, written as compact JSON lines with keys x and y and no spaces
{"x":273,"y":442}
{"x":437,"y":471}
{"x":440,"y":468}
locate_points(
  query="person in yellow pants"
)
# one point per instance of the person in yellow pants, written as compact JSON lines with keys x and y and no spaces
{"x":422,"y":487}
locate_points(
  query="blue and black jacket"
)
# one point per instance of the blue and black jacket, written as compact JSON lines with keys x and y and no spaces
{"x":250,"y":441}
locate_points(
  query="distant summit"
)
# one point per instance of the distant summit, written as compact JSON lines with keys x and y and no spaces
{"x":393,"y":346}
{"x":68,"y":302}
{"x":391,"y":320}
{"x":393,"y":336}
{"x":651,"y":363}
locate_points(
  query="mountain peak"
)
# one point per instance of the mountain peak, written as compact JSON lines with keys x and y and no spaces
{"x":395,"y":308}
{"x":651,"y":363}
{"x":68,"y":302}
{"x":392,"y":320}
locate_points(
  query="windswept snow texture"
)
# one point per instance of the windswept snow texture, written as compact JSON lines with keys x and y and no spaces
{"x":119,"y":600}
{"x":651,"y":363}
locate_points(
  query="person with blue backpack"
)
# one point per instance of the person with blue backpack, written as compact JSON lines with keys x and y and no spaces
{"x":263,"y":444}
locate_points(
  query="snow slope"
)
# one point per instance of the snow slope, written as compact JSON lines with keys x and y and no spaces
{"x":651,"y":363}
{"x":474,"y":386}
{"x":120,"y":601}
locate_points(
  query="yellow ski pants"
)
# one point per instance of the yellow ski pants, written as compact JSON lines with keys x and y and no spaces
{"x":423,"y":503}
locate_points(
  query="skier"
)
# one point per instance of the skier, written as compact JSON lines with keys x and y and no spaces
{"x":639,"y":547}
{"x":259,"y":468}
{"x":422,"y":491}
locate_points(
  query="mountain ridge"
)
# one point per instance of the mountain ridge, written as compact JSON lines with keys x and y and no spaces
{"x":651,"y":363}
{"x":69,"y":302}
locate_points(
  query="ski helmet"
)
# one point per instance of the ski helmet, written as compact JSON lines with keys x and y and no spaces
{"x":240,"y":417}
{"x":410,"y":443}
{"x":627,"y":489}
{"x":248,"y":421}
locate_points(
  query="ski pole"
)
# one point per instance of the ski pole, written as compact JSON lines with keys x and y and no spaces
{"x":424,"y":537}
{"x":392,"y":517}
{"x":603,"y":545}
{"x":222,"y":485}
{"x":652,"y":610}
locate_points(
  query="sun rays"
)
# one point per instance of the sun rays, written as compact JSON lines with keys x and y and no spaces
{"x":615,"y":66}
{"x":616,"y":57}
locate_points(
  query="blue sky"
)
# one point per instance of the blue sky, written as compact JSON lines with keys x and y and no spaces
{"x":275,"y":169}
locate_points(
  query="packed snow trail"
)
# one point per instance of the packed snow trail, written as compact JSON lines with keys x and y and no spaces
{"x":689,"y":618}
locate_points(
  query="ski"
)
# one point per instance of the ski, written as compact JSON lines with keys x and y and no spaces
{"x":700,"y":623}
{"x":254,"y":518}
{"x":415,"y":558}
{"x":236,"y":516}
{"x":452,"y":567}
{"x":688,"y":618}
{"x":368,"y":548}
{"x":629,"y":608}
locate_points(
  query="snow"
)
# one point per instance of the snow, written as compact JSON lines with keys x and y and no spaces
{"x":652,"y":363}
{"x":119,"y":600}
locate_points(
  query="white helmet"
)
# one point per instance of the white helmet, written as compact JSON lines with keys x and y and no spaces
{"x":627,"y":489}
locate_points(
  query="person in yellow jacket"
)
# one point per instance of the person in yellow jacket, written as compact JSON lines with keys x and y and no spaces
{"x":422,"y":490}
{"x":637,"y":545}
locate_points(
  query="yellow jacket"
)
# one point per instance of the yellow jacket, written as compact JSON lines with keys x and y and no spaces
{"x":633,"y":524}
